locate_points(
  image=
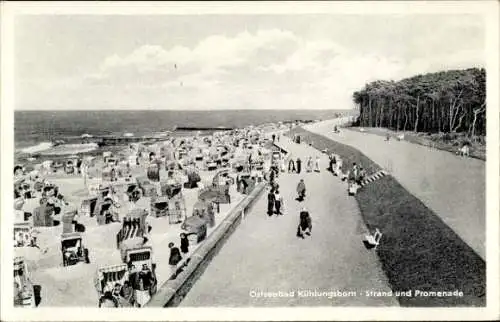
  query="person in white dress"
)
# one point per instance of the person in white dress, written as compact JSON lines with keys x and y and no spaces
{"x":316,"y":165}
{"x":309,"y":164}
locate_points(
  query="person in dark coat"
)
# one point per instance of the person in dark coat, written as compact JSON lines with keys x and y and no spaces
{"x":133,"y":277}
{"x":274,"y":137}
{"x":361,"y":175}
{"x":331,"y":166}
{"x":244,"y":187}
{"x":270,"y":202}
{"x":301,"y":190}
{"x":174,"y":259}
{"x":79,"y":165}
{"x":305,"y":224}
{"x":271,"y":176}
{"x":147,"y":277}
{"x":291,"y":164}
{"x":184,"y":244}
{"x":299,"y":164}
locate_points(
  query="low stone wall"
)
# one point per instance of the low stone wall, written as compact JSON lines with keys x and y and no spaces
{"x":172,"y":292}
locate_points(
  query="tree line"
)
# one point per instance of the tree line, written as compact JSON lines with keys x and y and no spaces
{"x":451,"y":101}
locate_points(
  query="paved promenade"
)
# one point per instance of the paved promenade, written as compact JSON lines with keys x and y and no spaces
{"x":264,"y":254}
{"x":453,"y":187}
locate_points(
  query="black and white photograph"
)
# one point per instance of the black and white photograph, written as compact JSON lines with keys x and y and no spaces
{"x":168,"y":157}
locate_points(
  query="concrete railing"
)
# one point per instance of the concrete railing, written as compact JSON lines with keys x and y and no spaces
{"x":172,"y":292}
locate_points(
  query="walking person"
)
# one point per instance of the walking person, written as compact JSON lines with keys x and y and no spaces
{"x":274,"y":137}
{"x":355,"y":169}
{"x":301,"y":190}
{"x":305,"y":224}
{"x":270,"y":202}
{"x":271,"y":176}
{"x":316,"y":165}
{"x":278,"y":202}
{"x":309,"y":164}
{"x":282,"y":165}
{"x":276,"y":169}
{"x":352,"y":175}
{"x":184,"y":243}
{"x":291,"y":164}
{"x":361,"y":175}
{"x":299,"y":165}
{"x":84,"y":172}
{"x":331,"y":166}
{"x":174,"y":259}
{"x":244,"y":186}
{"x":338,"y":166}
{"x":79,"y":166}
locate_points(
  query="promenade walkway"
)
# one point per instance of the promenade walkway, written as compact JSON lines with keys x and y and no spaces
{"x":453,"y":187}
{"x":264,"y":254}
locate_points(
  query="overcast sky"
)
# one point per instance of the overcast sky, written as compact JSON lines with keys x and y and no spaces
{"x":229,"y":62}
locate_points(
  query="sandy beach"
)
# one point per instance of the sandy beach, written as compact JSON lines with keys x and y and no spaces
{"x":73,"y":286}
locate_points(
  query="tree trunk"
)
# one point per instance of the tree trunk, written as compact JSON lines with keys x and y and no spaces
{"x":399,"y":117}
{"x":433,"y":118}
{"x":454,"y":110}
{"x":415,"y":128}
{"x":476,"y":113}
{"x":406,"y":119}
{"x":440,"y":118}
{"x":391,"y":115}
{"x":457,"y":126}
{"x":370,"y":115}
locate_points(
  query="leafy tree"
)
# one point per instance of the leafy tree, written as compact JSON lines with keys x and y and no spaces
{"x":447,"y":101}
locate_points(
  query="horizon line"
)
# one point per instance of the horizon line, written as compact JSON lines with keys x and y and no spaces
{"x":177,"y":110}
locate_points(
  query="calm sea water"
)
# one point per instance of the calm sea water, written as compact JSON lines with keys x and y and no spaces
{"x":33,"y":127}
